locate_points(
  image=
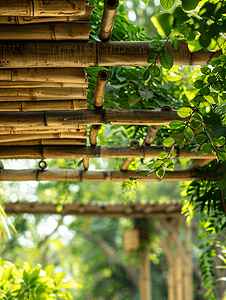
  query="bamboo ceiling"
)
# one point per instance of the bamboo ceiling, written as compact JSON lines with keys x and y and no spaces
{"x":43,"y":99}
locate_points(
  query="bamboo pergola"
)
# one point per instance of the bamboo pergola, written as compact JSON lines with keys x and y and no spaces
{"x":43,"y":114}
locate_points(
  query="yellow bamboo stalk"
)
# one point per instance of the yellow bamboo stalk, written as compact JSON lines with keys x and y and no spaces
{"x":73,"y":152}
{"x":25,"y":94}
{"x":31,"y":20}
{"x":47,"y":31}
{"x":41,"y":142}
{"x":108,"y":18}
{"x":32,"y":54}
{"x":66,"y":75}
{"x":80,"y":132}
{"x":37,"y":84}
{"x":93,"y":134}
{"x":42,"y":8}
{"x":99,"y":91}
{"x":43,"y":105}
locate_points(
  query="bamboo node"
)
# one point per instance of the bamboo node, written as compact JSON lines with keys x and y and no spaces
{"x":134,"y":145}
{"x":42,"y":165}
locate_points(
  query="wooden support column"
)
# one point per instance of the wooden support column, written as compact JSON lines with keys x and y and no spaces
{"x":108,"y":18}
{"x":145,"y":273}
{"x":188,"y":274}
{"x":179,"y":265}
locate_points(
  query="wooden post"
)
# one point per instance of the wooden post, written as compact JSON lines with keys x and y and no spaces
{"x":99,"y":91}
{"x":42,"y":8}
{"x":179,"y":266}
{"x":134,"y":145}
{"x":47,"y":31}
{"x":93,"y":134}
{"x":145,"y":273}
{"x":60,"y":54}
{"x":188,"y":274}
{"x":108,"y":18}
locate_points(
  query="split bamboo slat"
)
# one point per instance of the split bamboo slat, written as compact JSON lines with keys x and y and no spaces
{"x":73,"y":152}
{"x":50,"y":54}
{"x":43,"y":131}
{"x":39,"y":8}
{"x":82,"y":117}
{"x":32,"y":20}
{"x":26,"y":94}
{"x":65,"y":75}
{"x":52,"y":141}
{"x":37,"y":84}
{"x":43,"y":105}
{"x":46,"y":31}
{"x":108,"y":18}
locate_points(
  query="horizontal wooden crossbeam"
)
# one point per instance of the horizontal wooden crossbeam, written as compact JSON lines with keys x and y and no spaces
{"x":40,"y":54}
{"x":88,"y":117}
{"x":75,"y":152}
{"x":93,"y":176}
{"x":131,"y":210}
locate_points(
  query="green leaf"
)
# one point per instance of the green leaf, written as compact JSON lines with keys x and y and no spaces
{"x":189,"y":4}
{"x":215,"y":62}
{"x":146,"y":94}
{"x":176,"y":125}
{"x":162,"y":155}
{"x":166,"y":61}
{"x":204,"y":39}
{"x":168,"y":142}
{"x":219,"y":141}
{"x":205,"y":108}
{"x":179,"y":137}
{"x":163,"y":23}
{"x":175,"y":44}
{"x":172,"y":152}
{"x":160,"y":172}
{"x":205,"y":70}
{"x":151,"y":58}
{"x":157,"y":164}
{"x":154,"y":71}
{"x":167,"y":4}
{"x":188,"y":132}
{"x":133,"y":99}
{"x":199,"y":84}
{"x":184,"y":112}
{"x":209,"y":292}
{"x":206,"y":148}
{"x":169,"y":164}
{"x":156,"y":46}
{"x":200,"y":138}
{"x":202,"y":236}
{"x":146,"y":75}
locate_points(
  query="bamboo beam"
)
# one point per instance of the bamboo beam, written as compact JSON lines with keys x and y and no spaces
{"x":83,"y":117}
{"x":113,"y":211}
{"x":80,"y":54}
{"x":12,"y":129}
{"x":99,"y":91}
{"x":43,"y":105}
{"x":36,"y":94}
{"x":66,"y":75}
{"x":26,"y":137}
{"x":71,"y":152}
{"x":46,"y":142}
{"x":31,"y":20}
{"x":47,"y":31}
{"x":90,"y":176}
{"x":108,"y":18}
{"x":42,"y":8}
{"x":43,"y":131}
{"x":39,"y":84}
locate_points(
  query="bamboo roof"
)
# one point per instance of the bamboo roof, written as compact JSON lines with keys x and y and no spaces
{"x":135,"y":210}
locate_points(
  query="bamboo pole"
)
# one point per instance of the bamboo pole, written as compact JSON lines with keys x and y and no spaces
{"x":179,"y":266}
{"x":12,"y":129}
{"x":25,"y":94}
{"x":81,"y":117}
{"x":99,"y":91}
{"x":93,"y":134}
{"x":91,"y":176}
{"x":134,"y":145}
{"x":81,"y":54}
{"x":86,"y":163}
{"x":31,"y":20}
{"x":42,"y":8}
{"x":188,"y":274}
{"x":47,"y":31}
{"x":111,"y":211}
{"x":108,"y":18}
{"x":39,"y":84}
{"x":66,"y":75}
{"x":81,"y":132}
{"x":73,"y":152}
{"x":43,"y":105}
